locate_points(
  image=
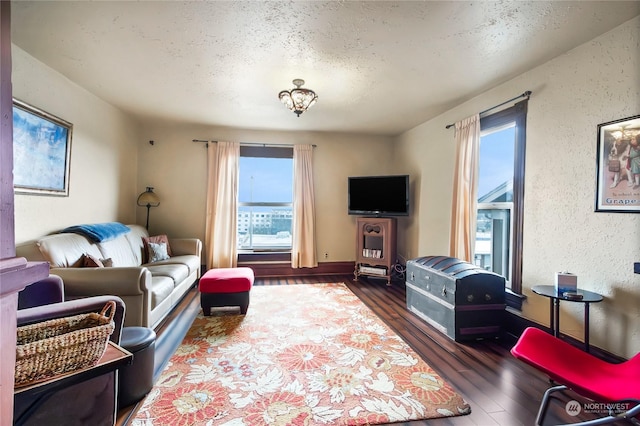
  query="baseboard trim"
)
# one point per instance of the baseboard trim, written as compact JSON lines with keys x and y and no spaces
{"x":284,"y":269}
{"x":515,"y":324}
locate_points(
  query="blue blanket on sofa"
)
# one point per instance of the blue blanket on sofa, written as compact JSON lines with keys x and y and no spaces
{"x":99,"y":232}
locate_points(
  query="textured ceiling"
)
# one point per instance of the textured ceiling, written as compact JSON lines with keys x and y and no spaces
{"x":378,"y":67}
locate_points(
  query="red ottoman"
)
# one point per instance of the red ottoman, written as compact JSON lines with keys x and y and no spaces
{"x":225,"y":287}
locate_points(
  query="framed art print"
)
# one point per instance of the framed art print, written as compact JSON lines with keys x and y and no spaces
{"x":618,"y":166}
{"x":41,"y":151}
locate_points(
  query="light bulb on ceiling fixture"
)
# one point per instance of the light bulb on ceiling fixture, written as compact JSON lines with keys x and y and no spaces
{"x":298,"y":99}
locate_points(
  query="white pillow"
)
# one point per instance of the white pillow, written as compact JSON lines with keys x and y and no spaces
{"x":157,"y":252}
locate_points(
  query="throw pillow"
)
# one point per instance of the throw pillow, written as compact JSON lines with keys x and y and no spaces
{"x":157,"y":239}
{"x":157,"y":252}
{"x":89,"y":261}
{"x":108,"y":262}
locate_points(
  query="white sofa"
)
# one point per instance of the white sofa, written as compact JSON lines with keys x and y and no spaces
{"x":150,"y":290}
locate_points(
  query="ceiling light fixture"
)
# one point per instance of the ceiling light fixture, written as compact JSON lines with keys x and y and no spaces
{"x":298,"y":100}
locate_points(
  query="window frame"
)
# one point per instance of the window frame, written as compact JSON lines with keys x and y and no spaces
{"x":265,"y":151}
{"x":515,"y":114}
{"x":502,"y":206}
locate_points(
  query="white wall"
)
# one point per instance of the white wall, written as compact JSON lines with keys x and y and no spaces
{"x":592,"y":84}
{"x":102,"y":183}
{"x":177,"y":168}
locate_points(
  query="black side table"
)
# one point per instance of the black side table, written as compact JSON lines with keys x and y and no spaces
{"x":550,"y":291}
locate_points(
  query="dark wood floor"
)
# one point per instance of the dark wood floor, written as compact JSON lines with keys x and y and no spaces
{"x":500,"y":389}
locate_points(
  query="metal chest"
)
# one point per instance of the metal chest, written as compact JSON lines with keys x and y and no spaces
{"x":460,"y":299}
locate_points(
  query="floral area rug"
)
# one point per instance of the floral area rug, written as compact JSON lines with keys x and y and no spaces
{"x":307,"y":354}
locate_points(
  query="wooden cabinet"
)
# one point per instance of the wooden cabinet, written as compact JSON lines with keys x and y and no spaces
{"x":375,"y":247}
{"x":85,"y":396}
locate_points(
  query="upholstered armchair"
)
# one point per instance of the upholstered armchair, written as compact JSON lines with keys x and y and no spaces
{"x":44,"y":292}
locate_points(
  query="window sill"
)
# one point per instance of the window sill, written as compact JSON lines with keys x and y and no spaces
{"x":514,"y":300}
{"x":264,"y":256}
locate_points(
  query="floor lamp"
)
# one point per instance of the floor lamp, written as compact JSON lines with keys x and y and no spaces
{"x":148,"y":199}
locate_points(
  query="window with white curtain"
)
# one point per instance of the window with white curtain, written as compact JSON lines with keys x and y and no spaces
{"x":265,"y":199}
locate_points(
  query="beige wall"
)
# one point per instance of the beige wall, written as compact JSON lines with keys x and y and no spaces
{"x":592,"y":84}
{"x":103,"y":154}
{"x":177,"y":169}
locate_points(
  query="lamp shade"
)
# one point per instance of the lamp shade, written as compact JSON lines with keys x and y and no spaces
{"x":148,"y":198}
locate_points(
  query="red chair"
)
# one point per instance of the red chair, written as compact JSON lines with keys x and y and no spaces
{"x":588,"y":376}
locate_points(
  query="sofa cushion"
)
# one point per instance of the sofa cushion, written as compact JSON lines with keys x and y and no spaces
{"x":176,"y":272}
{"x":119,"y":250}
{"x":135,"y":241}
{"x":157,"y":239}
{"x":190,"y":261}
{"x":66,"y":250}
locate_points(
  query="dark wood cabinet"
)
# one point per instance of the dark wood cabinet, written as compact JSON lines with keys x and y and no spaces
{"x":375,"y":247}
{"x":85,"y":396}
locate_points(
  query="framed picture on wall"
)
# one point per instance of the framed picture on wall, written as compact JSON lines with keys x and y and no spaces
{"x":618,"y":166}
{"x":41,"y":151}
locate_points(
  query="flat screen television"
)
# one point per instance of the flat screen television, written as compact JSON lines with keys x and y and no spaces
{"x":379,"y":195}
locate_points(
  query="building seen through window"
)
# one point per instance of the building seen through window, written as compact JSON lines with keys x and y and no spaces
{"x":265,"y":195}
{"x":495,"y":201}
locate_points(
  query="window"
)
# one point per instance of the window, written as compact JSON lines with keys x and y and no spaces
{"x":265,"y":198}
{"x":499,"y":220}
{"x":495,"y":200}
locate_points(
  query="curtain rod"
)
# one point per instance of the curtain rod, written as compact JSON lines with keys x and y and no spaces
{"x":264,"y":145}
{"x":524,"y":95}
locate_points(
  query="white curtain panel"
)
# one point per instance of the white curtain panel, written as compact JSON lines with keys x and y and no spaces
{"x":221,"y":226}
{"x":303,"y":250}
{"x":465,"y":188}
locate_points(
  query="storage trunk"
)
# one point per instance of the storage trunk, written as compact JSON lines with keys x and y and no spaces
{"x":458,"y":298}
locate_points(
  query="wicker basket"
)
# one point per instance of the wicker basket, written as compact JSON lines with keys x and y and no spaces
{"x":62,"y":345}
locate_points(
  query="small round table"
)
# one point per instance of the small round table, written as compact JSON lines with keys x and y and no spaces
{"x":551,"y":292}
